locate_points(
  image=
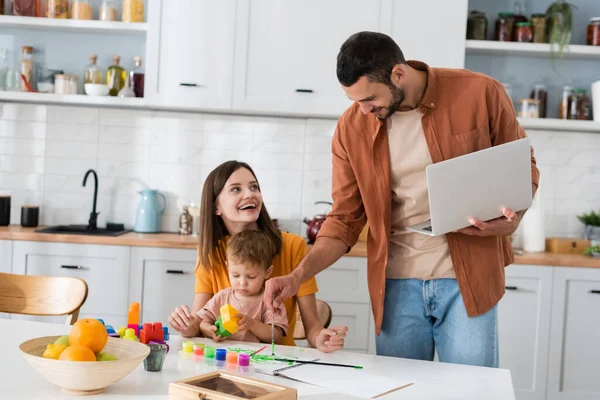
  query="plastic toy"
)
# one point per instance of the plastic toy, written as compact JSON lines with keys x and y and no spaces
{"x":227,"y":323}
{"x":133,"y":318}
{"x":130,"y":335}
{"x":166,"y":331}
{"x":109,"y":329}
{"x":121,"y":331}
{"x":152,"y":333}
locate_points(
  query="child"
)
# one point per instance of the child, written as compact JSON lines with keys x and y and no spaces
{"x":249,"y":257}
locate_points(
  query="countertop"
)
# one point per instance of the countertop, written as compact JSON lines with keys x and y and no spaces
{"x":176,"y":241}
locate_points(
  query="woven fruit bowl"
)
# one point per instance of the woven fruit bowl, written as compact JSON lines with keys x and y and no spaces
{"x":85,"y":377}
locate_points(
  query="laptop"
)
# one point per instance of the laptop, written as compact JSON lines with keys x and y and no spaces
{"x":477,"y":185}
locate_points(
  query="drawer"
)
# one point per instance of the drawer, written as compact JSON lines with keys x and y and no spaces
{"x":344,"y":281}
{"x":356,"y":318}
{"x":105,"y":269}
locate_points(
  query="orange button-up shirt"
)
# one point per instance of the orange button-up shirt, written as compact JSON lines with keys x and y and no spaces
{"x":463,"y":112}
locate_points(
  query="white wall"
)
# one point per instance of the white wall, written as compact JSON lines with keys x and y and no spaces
{"x":45,"y":151}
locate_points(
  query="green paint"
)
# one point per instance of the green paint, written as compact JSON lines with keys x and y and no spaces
{"x":257,"y":358}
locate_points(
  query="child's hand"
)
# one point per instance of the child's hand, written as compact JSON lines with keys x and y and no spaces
{"x":211,"y":332}
{"x":245,"y":322}
{"x":331,"y":339}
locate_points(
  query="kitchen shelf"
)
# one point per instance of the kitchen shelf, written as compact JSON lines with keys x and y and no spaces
{"x":73,"y":99}
{"x":72,"y":25}
{"x":492,"y":47}
{"x":552,"y":124}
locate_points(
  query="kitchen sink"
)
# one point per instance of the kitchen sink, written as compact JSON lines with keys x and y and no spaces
{"x":82,"y":230}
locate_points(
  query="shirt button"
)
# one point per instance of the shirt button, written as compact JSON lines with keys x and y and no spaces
{"x":432,"y":104}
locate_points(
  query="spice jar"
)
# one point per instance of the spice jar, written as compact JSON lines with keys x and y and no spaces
{"x":26,"y":68}
{"x":593,"y":32}
{"x":540,"y":93}
{"x":529,"y":108}
{"x":108,"y":10}
{"x":523,"y":32}
{"x":185,"y":222}
{"x":504,"y":27}
{"x":580,"y":105}
{"x":538,"y":25}
{"x":57,"y":9}
{"x":477,"y":26}
{"x":564,"y":107}
{"x":26,"y":8}
{"x":65,"y":84}
{"x":133,"y":11}
{"x":81,"y":9}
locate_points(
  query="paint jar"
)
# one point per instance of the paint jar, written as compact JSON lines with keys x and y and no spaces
{"x":188,"y":346}
{"x":244,"y":362}
{"x":199,"y":349}
{"x":209,"y":352}
{"x":232,"y":357}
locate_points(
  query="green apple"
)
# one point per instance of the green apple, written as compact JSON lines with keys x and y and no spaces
{"x":63,"y":340}
{"x":105,"y":357}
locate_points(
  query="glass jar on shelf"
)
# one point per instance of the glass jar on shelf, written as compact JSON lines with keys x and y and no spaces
{"x":540,"y":93}
{"x":523,"y":32}
{"x":504,"y":27}
{"x":477,"y":26}
{"x":137,"y":77}
{"x":133,"y":11}
{"x":3,"y":67}
{"x":593,"y":32}
{"x":93,"y":73}
{"x":529,"y":108}
{"x":26,"y":69}
{"x":108,"y":10}
{"x":26,"y":8}
{"x":538,"y":26}
{"x":580,"y":105}
{"x":81,"y":9}
{"x":115,"y":77}
{"x":65,"y":84}
{"x":564,"y":107}
{"x":57,"y":9}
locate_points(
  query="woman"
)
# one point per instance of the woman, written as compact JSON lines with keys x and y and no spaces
{"x":231,"y":203}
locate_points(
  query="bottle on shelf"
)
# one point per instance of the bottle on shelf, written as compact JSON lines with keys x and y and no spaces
{"x":540,"y":93}
{"x":57,"y":9}
{"x":108,"y":10}
{"x":137,"y":77}
{"x":26,"y":8}
{"x":93,"y":73}
{"x":133,"y":11}
{"x":127,"y":91}
{"x":564,"y":107}
{"x":115,"y":77}
{"x":3,"y":66}
{"x":26,"y":69}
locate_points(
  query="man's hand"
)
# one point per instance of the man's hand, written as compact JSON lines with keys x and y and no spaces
{"x":502,"y":226}
{"x":280,"y":288}
{"x":331,"y":339}
{"x":184,"y":321}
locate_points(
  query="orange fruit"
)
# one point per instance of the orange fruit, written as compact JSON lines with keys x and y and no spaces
{"x":77,"y":352}
{"x":90,"y":333}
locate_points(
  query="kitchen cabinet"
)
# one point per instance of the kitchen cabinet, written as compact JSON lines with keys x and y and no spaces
{"x":574,"y":344}
{"x":524,"y":328}
{"x":105,"y":269}
{"x":5,"y":263}
{"x":162,"y":279}
{"x":432,"y":31}
{"x":196,"y":54}
{"x":285,"y":57}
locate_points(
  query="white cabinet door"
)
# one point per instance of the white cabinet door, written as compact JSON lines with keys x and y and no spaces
{"x":285,"y":58}
{"x":5,"y":263}
{"x":524,"y":328}
{"x":161,"y":279}
{"x":345,"y":281}
{"x":432,"y":31}
{"x":356,"y":318}
{"x":196,"y":54}
{"x":575,"y":335}
{"x":105,"y":269}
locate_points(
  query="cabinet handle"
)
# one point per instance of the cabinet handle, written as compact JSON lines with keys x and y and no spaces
{"x":511,"y":288}
{"x":187,"y":84}
{"x":304,"y":91}
{"x":72,"y":267}
{"x":176,"y":271}
{"x":593,"y":291}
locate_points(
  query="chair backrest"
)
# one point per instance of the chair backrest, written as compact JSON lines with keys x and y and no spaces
{"x":325,"y":315}
{"x":42,"y":295}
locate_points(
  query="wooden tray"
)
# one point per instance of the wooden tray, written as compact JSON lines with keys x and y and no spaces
{"x":566,"y":245}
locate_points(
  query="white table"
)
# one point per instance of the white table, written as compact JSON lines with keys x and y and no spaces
{"x":432,"y":380}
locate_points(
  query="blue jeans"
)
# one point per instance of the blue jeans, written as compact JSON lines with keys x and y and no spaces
{"x":419,"y":316}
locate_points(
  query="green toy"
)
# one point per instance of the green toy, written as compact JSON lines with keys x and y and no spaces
{"x":220,"y":330}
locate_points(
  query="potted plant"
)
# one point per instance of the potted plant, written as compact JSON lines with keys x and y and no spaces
{"x":560,"y":23}
{"x":592,"y":227}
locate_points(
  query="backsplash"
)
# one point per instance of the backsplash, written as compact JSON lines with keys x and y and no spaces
{"x":46,"y":150}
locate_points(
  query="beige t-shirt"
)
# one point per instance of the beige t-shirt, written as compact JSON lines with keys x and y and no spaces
{"x":256,"y":309}
{"x":412,"y":255}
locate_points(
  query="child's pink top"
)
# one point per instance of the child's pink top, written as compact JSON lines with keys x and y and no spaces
{"x":256,"y":309}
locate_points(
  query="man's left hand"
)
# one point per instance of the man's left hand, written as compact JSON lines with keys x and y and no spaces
{"x":503,"y":226}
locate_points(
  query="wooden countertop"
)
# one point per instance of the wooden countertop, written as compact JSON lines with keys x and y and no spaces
{"x":176,"y":241}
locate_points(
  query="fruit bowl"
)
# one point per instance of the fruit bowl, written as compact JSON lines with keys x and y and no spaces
{"x":80,"y":377}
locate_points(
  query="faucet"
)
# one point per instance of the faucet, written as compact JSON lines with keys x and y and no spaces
{"x":93,"y":215}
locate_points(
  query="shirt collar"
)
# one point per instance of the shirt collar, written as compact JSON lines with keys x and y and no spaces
{"x":430,"y":97}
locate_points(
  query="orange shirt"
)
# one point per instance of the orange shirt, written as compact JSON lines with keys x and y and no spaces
{"x":463,"y":112}
{"x":293,"y":249}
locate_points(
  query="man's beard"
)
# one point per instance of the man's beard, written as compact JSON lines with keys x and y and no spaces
{"x":397,"y":99}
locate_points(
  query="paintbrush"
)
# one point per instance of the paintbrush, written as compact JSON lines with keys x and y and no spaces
{"x":318,"y":363}
{"x":273,"y":329}
{"x":258,"y":351}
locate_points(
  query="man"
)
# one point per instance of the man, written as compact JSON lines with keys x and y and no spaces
{"x":426,"y":292}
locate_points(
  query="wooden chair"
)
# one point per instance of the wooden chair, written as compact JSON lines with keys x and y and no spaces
{"x":42,"y":295}
{"x":325,"y":315}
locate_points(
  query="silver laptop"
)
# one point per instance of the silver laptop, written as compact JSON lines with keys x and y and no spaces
{"x":477,"y":185}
